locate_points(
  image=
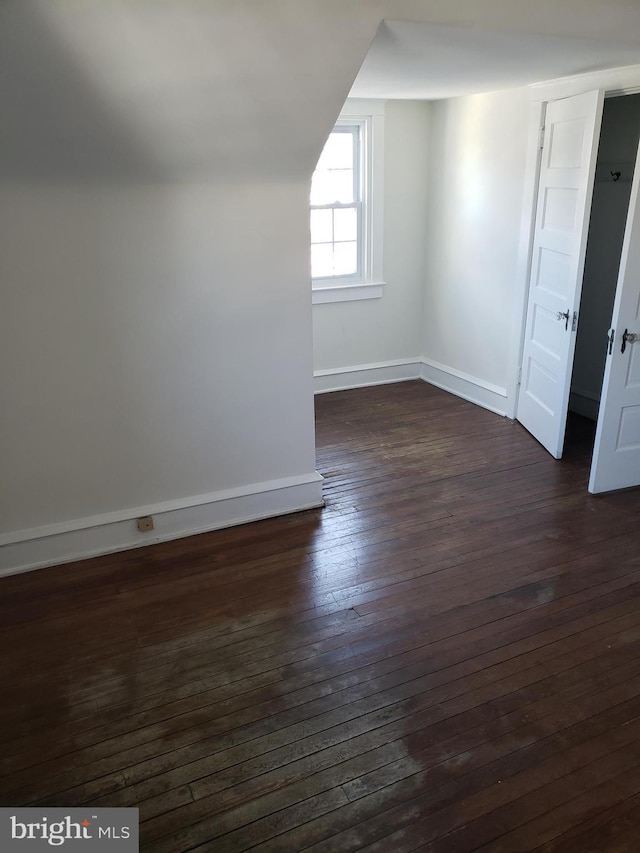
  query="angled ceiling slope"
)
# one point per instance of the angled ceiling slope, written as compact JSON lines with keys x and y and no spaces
{"x":429,"y":62}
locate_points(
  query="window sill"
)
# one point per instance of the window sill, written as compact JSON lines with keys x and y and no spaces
{"x":347,"y":292}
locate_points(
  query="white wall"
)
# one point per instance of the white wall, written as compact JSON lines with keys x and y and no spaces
{"x":154,"y":166}
{"x":477,"y":164}
{"x":155,"y":331}
{"x":616,"y":152}
{"x":133,"y":330}
{"x":347,"y":334}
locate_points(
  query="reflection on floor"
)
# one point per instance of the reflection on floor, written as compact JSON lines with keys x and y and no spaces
{"x":446,"y":657}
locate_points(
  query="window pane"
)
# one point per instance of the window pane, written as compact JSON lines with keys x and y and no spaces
{"x":335,"y":233}
{"x":338,"y":152}
{"x":342,"y":186}
{"x":321,"y":230}
{"x":345,"y":258}
{"x":321,"y":260}
{"x":321,"y":187}
{"x":345,"y":224}
{"x":328,"y":187}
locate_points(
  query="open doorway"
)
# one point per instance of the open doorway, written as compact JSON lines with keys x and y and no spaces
{"x":576,"y":131}
{"x":619,"y":138}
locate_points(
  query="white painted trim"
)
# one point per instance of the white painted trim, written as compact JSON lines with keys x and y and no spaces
{"x":471,"y":388}
{"x":104,"y":534}
{"x":347,"y":292}
{"x":371,"y":113}
{"x":614,"y":81}
{"x":586,"y":405}
{"x":364,"y":375}
{"x":537,"y":112}
{"x":374,"y":199}
{"x":224,"y":495}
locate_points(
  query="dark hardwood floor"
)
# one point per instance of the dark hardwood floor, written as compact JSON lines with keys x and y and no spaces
{"x":445,"y":658}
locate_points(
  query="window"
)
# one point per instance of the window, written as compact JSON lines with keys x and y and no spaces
{"x":346,"y":207}
{"x":336,"y":206}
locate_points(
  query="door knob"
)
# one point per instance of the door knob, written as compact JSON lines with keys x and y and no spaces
{"x":628,"y":338}
{"x":563,"y":315}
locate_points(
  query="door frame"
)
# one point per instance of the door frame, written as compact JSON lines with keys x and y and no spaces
{"x":614,"y":82}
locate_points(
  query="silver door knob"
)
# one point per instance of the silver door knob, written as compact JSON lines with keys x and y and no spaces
{"x":628,"y":338}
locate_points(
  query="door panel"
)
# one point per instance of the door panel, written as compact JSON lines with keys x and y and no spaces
{"x":616,"y":454}
{"x":572,"y":129}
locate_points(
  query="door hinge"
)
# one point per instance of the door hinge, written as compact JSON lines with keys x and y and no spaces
{"x":519,"y":376}
{"x":541,"y":138}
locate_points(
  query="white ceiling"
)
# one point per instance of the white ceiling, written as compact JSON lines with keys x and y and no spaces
{"x":426,"y":61}
{"x":178,"y":89}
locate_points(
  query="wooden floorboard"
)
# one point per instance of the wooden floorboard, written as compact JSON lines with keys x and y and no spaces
{"x":446,"y":657}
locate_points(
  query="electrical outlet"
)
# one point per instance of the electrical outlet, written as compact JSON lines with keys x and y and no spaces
{"x":145,"y":523}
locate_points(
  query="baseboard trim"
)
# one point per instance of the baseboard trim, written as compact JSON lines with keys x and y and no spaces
{"x":364,"y":375}
{"x":38,"y":548}
{"x":471,"y":388}
{"x":586,"y":405}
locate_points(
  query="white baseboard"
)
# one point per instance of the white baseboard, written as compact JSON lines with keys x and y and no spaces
{"x":470,"y":388}
{"x":363,"y":375}
{"x":89,"y":537}
{"x":584,"y":404}
{"x":79,"y":539}
{"x":461,"y":384}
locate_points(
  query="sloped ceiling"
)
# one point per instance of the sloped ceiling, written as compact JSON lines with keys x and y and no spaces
{"x":169,"y":89}
{"x":431,"y":61}
{"x":163,"y":90}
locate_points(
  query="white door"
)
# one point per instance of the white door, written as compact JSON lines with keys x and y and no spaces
{"x":616,"y":454}
{"x":572,"y":130}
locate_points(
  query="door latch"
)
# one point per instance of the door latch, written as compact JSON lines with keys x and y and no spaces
{"x":628,"y":338}
{"x":563,"y":315}
{"x":610,"y":338}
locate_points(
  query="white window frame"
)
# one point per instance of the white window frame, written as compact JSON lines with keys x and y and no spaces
{"x":369,"y":116}
{"x":356,"y":130}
